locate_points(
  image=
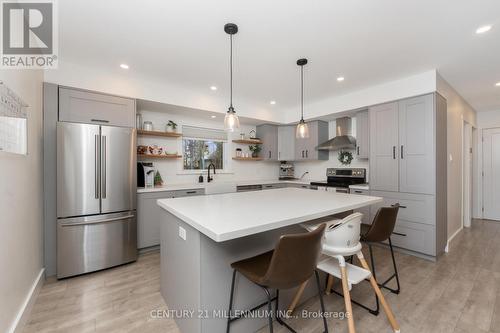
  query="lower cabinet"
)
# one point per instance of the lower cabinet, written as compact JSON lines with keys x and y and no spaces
{"x":367,"y":218}
{"x":149,"y":214}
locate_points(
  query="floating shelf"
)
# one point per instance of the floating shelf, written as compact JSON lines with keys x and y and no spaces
{"x":248,"y":158}
{"x":145,"y":156}
{"x":249,"y":142}
{"x":158,"y":133}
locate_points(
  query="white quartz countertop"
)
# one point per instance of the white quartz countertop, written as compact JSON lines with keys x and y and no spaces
{"x":188,"y":186}
{"x":228,"y":216}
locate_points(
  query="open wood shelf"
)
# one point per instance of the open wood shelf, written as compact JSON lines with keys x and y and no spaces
{"x":248,"y":158}
{"x":249,"y":142}
{"x":145,"y":156}
{"x":158,"y":133}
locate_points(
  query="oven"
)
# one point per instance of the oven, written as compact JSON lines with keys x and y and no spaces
{"x":339,"y":179}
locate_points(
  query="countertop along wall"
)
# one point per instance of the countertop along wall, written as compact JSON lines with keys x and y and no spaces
{"x":21,"y":222}
{"x":171,"y":170}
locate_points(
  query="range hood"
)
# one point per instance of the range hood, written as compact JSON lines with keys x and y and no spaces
{"x":343,"y":138}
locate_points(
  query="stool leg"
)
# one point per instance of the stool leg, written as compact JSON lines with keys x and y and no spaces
{"x":347,"y":299}
{"x":329,"y":285}
{"x":385,"y":306}
{"x":296,"y":298}
{"x":395,"y":269}
{"x":270,"y":309}
{"x":230,"y":302}
{"x":372,"y":261}
{"x":321,"y":301}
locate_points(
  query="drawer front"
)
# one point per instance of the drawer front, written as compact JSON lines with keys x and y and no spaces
{"x":366,"y":211}
{"x":359,"y":192}
{"x":302,"y":186}
{"x":81,"y":106}
{"x":188,"y":193}
{"x":415,"y":237}
{"x":417,"y":208}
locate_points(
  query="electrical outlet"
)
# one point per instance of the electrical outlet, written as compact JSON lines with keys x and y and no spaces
{"x":182,"y":233}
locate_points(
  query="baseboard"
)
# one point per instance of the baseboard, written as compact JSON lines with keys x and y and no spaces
{"x":451,"y":238}
{"x":25,"y":310}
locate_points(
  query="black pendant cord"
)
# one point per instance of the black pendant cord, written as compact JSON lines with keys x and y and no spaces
{"x":302,"y":93}
{"x":231,"y":72}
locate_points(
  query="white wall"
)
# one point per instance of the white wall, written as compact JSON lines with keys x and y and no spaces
{"x":410,"y":86}
{"x":317,"y":169}
{"x":21,"y":223}
{"x":458,"y":112}
{"x":171,"y":170}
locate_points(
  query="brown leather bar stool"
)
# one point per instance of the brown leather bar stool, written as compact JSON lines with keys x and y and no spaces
{"x":292,"y":262}
{"x":379,"y":231}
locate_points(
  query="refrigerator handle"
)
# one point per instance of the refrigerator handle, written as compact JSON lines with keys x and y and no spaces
{"x":97,"y":164}
{"x":112,"y":219}
{"x":103,"y":169}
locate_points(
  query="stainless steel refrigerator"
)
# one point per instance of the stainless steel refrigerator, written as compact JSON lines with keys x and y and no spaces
{"x":96,"y":197}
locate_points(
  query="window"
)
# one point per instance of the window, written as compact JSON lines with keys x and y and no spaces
{"x":202,"y":146}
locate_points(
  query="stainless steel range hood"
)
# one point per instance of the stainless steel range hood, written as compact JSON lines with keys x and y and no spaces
{"x":343,"y":138}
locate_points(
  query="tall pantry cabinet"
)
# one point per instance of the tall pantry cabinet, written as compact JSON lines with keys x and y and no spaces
{"x":408,"y":153}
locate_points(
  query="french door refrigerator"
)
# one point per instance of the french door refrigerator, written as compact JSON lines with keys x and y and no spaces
{"x":96,"y":199}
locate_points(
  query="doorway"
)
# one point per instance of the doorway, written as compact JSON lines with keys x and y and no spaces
{"x":491,"y":173}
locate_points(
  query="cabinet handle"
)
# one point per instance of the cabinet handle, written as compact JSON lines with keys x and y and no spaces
{"x":100,"y":121}
{"x":269,"y":154}
{"x":399,"y":234}
{"x":393,"y":152}
{"x":190,"y":192}
{"x":358,"y":192}
{"x":400,"y":206}
{"x":358,"y":150}
{"x":402,"y":156}
{"x":307,"y":151}
{"x":302,"y":154}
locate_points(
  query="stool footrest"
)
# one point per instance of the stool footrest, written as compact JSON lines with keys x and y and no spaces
{"x":355,"y":274}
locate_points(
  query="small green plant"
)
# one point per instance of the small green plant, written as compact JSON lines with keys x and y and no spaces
{"x":172,"y":124}
{"x":255,"y":149}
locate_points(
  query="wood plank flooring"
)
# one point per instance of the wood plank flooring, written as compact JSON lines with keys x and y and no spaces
{"x":458,"y":294}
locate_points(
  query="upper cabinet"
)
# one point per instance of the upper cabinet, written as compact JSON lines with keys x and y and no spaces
{"x":402,"y":146}
{"x":362,"y":135}
{"x":269,"y":136}
{"x":82,"y":106}
{"x":286,"y":143}
{"x":305,"y":149}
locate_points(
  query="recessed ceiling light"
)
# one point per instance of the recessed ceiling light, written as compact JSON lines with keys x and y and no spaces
{"x":272,"y":102}
{"x":213,"y":88}
{"x":483,"y":29}
{"x":340,"y":79}
{"x":497,"y":84}
{"x":213,"y":117}
{"x":124,"y":66}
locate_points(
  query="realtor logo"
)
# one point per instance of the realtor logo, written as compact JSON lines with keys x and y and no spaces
{"x":29,"y":34}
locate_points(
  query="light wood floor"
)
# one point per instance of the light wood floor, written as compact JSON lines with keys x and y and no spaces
{"x":458,"y":294}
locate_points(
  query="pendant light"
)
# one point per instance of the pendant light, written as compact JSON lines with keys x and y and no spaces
{"x":302,"y":131}
{"x":231,"y":121}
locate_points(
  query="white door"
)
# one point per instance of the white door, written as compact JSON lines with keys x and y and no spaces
{"x":491,"y":168}
{"x":384,"y":169}
{"x":416,"y":145}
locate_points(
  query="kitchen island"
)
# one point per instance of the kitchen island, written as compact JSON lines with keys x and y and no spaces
{"x":201,"y":236}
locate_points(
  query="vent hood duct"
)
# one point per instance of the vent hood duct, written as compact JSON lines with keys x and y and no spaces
{"x":343,"y":138}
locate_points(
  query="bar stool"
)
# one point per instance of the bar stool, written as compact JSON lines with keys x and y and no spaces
{"x":291,"y":263}
{"x":342,"y":239}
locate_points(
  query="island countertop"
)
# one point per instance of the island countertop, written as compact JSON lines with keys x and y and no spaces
{"x":224,"y":217}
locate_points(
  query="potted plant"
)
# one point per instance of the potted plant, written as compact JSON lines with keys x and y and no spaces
{"x":171,"y":126}
{"x":255,"y":149}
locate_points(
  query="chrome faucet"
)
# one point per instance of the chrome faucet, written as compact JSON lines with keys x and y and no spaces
{"x":209,"y":179}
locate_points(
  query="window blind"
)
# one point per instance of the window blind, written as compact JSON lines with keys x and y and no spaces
{"x":204,"y":133}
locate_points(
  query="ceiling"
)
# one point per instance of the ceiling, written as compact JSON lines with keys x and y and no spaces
{"x":367,"y":42}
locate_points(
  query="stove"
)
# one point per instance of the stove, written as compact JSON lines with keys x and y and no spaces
{"x":341,"y":178}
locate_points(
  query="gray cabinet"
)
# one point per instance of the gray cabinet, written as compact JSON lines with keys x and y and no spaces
{"x":269,"y":136}
{"x":305,"y":149}
{"x":384,"y":163}
{"x":416,"y":145}
{"x":286,"y":143}
{"x":362,"y":135}
{"x":149,"y":214}
{"x":402,"y":146}
{"x":81,"y":106}
{"x":363,"y":210}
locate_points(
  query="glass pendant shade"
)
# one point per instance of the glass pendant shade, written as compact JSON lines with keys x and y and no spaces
{"x":231,"y":121}
{"x":302,"y":131}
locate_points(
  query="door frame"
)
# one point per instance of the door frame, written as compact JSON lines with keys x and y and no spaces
{"x":467,"y":177}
